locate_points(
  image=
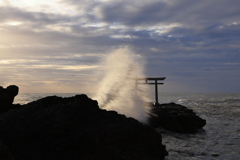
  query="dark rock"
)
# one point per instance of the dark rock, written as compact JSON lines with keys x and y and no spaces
{"x":215,"y":154}
{"x":4,"y":152}
{"x":7,"y":97}
{"x":12,"y":90}
{"x":55,"y":128}
{"x":176,"y":118}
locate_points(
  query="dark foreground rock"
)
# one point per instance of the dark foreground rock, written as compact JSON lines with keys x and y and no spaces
{"x":7,"y":97}
{"x":55,"y":128}
{"x":5,"y":154}
{"x":176,"y":118}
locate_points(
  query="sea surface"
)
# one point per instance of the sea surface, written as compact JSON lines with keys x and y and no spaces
{"x":218,"y":140}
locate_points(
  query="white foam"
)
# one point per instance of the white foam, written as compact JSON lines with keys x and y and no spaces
{"x":117,"y":90}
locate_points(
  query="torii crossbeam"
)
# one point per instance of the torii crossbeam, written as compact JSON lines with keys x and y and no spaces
{"x":146,"y":81}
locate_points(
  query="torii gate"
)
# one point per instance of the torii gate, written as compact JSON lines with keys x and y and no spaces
{"x":155,"y":82}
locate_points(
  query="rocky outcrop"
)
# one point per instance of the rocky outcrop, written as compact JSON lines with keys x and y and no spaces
{"x":55,"y":128}
{"x":7,"y":97}
{"x":4,"y":152}
{"x":176,"y":118}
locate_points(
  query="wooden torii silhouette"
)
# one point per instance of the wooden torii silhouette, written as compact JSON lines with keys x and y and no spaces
{"x":146,"y":81}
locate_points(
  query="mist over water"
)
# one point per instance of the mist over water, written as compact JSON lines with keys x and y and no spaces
{"x":117,"y":90}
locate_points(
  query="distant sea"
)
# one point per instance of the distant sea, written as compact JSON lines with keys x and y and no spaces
{"x":218,"y":140}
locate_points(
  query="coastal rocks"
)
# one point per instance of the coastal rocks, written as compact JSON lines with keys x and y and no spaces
{"x":4,"y":152}
{"x":176,"y":118}
{"x":7,"y":97}
{"x":76,"y":128}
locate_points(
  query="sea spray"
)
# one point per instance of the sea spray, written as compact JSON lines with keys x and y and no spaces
{"x":117,"y":89}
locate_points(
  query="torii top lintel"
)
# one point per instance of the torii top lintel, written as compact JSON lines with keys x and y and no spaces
{"x":159,"y":78}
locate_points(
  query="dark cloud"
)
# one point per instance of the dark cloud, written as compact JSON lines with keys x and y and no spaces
{"x":184,"y":11}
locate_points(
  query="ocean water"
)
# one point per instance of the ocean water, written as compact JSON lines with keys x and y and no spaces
{"x":218,"y":140}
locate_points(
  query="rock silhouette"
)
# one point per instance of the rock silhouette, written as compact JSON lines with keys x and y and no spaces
{"x":176,"y":118}
{"x":4,"y":152}
{"x":7,"y":97}
{"x":76,"y":128}
{"x":55,"y":128}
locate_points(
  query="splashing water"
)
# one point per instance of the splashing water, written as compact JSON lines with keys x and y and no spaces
{"x":117,"y":90}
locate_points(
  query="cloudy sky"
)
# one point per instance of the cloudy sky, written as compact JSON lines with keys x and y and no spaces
{"x":56,"y":45}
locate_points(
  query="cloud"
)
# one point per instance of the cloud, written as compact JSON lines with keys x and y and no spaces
{"x":181,"y":39}
{"x":164,"y":12}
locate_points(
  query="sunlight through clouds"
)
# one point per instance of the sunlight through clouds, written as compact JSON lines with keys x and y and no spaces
{"x":60,"y":67}
{"x":37,"y":64}
{"x":13,"y":23}
{"x":46,"y":6}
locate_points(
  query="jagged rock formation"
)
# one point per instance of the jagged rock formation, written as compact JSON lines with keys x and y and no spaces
{"x":7,"y":97}
{"x":55,"y":128}
{"x":176,"y":118}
